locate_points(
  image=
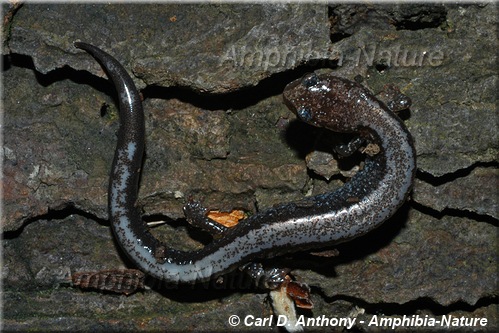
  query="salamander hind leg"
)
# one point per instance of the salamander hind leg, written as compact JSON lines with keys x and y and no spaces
{"x":197,"y":215}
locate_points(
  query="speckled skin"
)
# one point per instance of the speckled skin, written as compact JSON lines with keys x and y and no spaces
{"x":361,"y":205}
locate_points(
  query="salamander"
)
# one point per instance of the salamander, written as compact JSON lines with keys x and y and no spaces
{"x":359,"y":206}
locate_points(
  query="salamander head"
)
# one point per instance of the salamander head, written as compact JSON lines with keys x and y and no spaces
{"x":323,"y":101}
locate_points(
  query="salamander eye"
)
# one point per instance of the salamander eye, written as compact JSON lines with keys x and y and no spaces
{"x":310,"y":80}
{"x":304,"y":113}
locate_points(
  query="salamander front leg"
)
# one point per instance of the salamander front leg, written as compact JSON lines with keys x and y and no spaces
{"x":394,"y":100}
{"x":351,"y":147}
